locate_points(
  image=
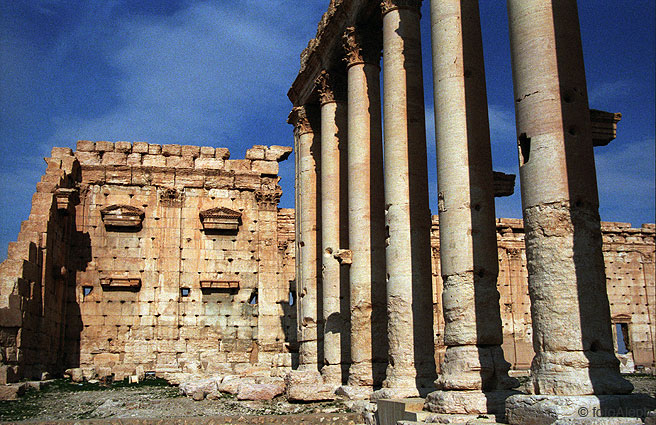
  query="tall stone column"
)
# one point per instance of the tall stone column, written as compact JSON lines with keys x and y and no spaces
{"x":333,"y":142}
{"x":307,"y":144}
{"x":572,"y":334}
{"x":306,"y":383}
{"x":409,"y":292}
{"x":366,"y":210}
{"x":474,"y":361}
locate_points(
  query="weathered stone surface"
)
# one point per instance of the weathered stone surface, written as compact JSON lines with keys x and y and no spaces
{"x":308,"y":385}
{"x":467,"y":402}
{"x":85,"y":146}
{"x":76,"y":374}
{"x":260,"y":391}
{"x":207,"y":386}
{"x":351,"y":392}
{"x":127,"y":312}
{"x":104,"y":146}
{"x":12,"y":391}
{"x":411,"y":355}
{"x":545,"y":409}
{"x":570,"y":309}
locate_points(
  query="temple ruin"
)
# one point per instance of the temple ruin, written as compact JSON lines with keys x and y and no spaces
{"x":176,"y":261}
{"x":337,"y":102}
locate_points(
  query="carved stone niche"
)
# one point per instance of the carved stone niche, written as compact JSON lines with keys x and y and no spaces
{"x":219,"y":284}
{"x":220,"y":220}
{"x":121,"y":283}
{"x":122,"y":217}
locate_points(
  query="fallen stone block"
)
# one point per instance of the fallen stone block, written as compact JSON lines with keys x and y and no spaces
{"x":308,"y":385}
{"x":547,"y":410}
{"x":12,"y":391}
{"x":266,"y":391}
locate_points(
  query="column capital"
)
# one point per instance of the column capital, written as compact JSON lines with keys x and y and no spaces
{"x":361,"y":48}
{"x":303,"y":120}
{"x":389,"y":5}
{"x":331,"y":87}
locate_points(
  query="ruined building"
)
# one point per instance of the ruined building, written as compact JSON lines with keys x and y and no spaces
{"x":141,"y":257}
{"x":175,"y":260}
{"x":363,"y":223}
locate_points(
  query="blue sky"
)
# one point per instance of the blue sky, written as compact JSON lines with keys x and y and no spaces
{"x":217,"y":72}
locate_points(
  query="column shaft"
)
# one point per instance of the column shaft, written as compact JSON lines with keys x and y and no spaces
{"x":571,"y":317}
{"x":409,"y":292}
{"x":333,"y":140}
{"x":468,"y":243}
{"x":306,"y":219}
{"x":366,"y":219}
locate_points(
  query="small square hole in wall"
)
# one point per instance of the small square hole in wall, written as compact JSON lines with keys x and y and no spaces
{"x":86,"y":290}
{"x":184,"y":292}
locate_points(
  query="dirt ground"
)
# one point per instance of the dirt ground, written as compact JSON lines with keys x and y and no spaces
{"x":156,"y":399}
{"x":151,"y":399}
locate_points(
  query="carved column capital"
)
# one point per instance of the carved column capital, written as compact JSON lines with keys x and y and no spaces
{"x":303,"y":120}
{"x":361,"y":48}
{"x":268,"y":199}
{"x":389,"y":5}
{"x":331,"y":87}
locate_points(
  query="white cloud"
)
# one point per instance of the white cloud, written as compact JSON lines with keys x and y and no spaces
{"x":196,"y":77}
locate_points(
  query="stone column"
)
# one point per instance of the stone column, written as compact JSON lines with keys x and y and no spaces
{"x":366,"y":210}
{"x":408,"y":220}
{"x":474,"y":361}
{"x":333,"y":141}
{"x":572,"y":334}
{"x":306,"y":383}
{"x":305,"y":123}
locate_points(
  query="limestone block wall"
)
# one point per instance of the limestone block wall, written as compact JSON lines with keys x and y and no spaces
{"x":169,"y":260}
{"x":629,"y":259}
{"x":36,"y":278}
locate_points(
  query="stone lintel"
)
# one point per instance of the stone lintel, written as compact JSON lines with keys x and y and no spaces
{"x":545,"y":409}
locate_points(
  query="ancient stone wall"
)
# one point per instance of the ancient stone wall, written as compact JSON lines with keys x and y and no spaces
{"x":629,"y":259}
{"x":173,"y":259}
{"x":35,"y":279}
{"x":176,"y":260}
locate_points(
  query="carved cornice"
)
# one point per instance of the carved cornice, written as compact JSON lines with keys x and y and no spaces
{"x":389,"y":5}
{"x":302,"y":119}
{"x":331,"y":88}
{"x":361,"y":48}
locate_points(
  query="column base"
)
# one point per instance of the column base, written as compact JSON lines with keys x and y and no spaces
{"x":308,"y":385}
{"x":469,"y":402}
{"x":332,"y":375}
{"x":548,"y":409}
{"x":471,"y":367}
{"x":558,"y":378}
{"x":353,"y":392}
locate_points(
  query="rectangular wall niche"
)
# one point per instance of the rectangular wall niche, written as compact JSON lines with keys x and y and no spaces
{"x":118,"y":283}
{"x":220,"y":219}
